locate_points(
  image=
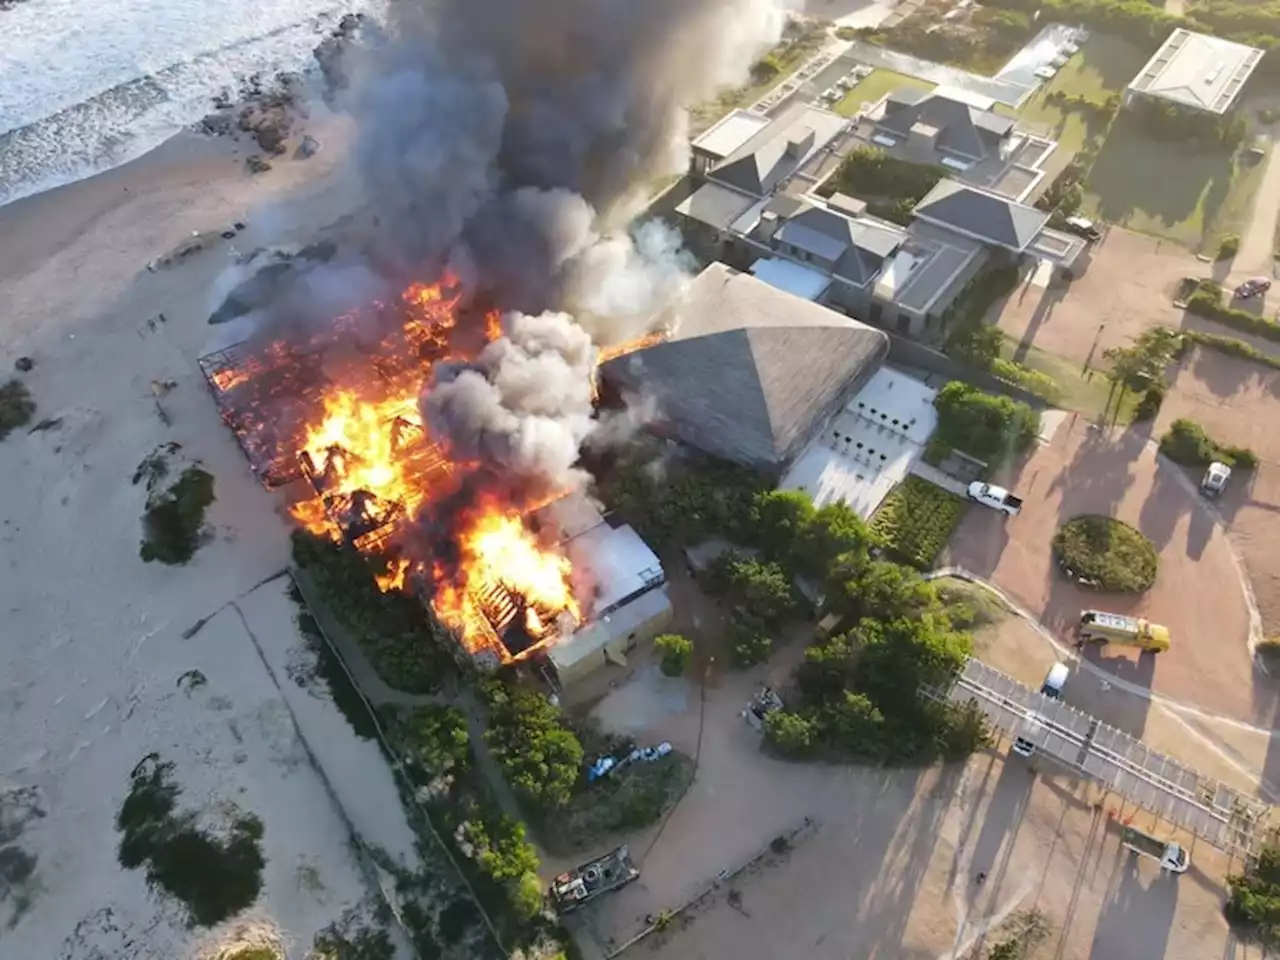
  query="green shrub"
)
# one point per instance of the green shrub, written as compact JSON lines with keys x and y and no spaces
{"x":16,"y":406}
{"x":676,"y":652}
{"x":916,"y":520}
{"x":540,"y":757}
{"x":1254,"y":903}
{"x":175,"y":517}
{"x":1112,"y":555}
{"x":393,"y":628}
{"x":1188,"y":444}
{"x":749,"y":640}
{"x":984,"y":426}
{"x":1150,"y":403}
{"x":436,"y":736}
{"x":871,"y":173}
{"x":1229,"y":247}
{"x":790,"y":734}
{"x":1206,"y":301}
{"x":1033,"y":381}
{"x":1232,"y":347}
{"x":214,"y":877}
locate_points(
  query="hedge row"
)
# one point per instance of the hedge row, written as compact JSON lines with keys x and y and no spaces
{"x":916,"y":520}
{"x":1188,"y":444}
{"x":1206,"y":301}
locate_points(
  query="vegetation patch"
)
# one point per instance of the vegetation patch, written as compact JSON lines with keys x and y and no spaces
{"x":1232,"y":347}
{"x":969,"y":606}
{"x":16,"y":406}
{"x":981,"y":41}
{"x":406,"y":647}
{"x":1253,"y":906}
{"x":1112,"y":555}
{"x":985,"y":426}
{"x":174,"y":519}
{"x":540,"y":756}
{"x":214,"y":877}
{"x":1019,"y":936}
{"x":631,"y":798}
{"x":916,"y":520}
{"x":1187,"y":443}
{"x":871,"y":173}
{"x":676,"y":653}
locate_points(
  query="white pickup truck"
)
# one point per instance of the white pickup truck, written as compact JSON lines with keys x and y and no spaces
{"x":1171,"y":856}
{"x":997,"y":498}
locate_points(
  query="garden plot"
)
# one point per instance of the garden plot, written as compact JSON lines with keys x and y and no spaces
{"x":917,"y":519}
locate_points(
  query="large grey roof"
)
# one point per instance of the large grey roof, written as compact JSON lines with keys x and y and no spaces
{"x":751,"y":372}
{"x":763,"y":161}
{"x":979,"y":213}
{"x":857,"y":247}
{"x":960,"y":126}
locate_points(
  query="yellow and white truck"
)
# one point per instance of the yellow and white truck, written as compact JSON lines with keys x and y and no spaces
{"x":1098,"y":626}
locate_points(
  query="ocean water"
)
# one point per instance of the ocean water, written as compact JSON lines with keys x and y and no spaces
{"x":86,"y":85}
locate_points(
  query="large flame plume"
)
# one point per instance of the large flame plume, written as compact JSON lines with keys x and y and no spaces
{"x":435,"y":523}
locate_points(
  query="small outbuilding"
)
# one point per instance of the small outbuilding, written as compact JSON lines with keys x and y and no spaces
{"x":1196,"y":72}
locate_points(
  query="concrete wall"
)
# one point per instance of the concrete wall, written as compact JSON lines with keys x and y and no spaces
{"x":904,"y":352}
{"x":612,"y":654}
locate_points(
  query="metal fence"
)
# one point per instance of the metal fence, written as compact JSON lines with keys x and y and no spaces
{"x":1114,"y":760}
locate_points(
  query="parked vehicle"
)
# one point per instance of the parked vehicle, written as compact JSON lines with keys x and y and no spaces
{"x":997,"y":498}
{"x":571,"y":890}
{"x":1098,"y":626}
{"x":1055,"y":680}
{"x":1083,"y":228}
{"x":760,"y":706}
{"x":1252,"y":288}
{"x":1171,"y":856}
{"x":828,"y":627}
{"x":1024,"y":741}
{"x":1215,"y":479}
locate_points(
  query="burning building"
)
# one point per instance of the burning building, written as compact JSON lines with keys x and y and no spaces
{"x":514,"y":564}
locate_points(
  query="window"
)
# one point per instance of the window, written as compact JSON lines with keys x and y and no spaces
{"x":877,"y":310}
{"x":904,"y":323}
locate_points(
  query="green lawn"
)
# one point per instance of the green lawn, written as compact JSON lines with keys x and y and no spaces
{"x":1087,"y":395}
{"x":875,"y":86}
{"x":1192,"y":196}
{"x":1198,"y":196}
{"x":1104,"y":66}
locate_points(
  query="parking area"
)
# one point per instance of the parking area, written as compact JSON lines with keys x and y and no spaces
{"x":887,"y":867}
{"x":1238,"y":403}
{"x":1198,"y":594}
{"x":1127,"y":286}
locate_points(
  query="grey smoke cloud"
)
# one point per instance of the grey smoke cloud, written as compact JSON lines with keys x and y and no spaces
{"x":524,"y":404}
{"x":493,"y":136}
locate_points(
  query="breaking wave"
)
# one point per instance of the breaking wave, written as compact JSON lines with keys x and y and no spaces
{"x":86,"y":87}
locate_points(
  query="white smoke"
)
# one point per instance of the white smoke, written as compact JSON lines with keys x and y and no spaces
{"x":524,"y":404}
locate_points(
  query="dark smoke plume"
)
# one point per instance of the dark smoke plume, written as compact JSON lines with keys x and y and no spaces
{"x":493,"y":137}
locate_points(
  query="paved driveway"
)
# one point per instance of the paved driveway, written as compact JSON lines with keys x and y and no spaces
{"x":1127,"y":287}
{"x":1198,"y":593}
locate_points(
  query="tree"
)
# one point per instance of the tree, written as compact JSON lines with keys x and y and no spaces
{"x":883,"y":590}
{"x":762,"y":587}
{"x":790,"y":733}
{"x":749,"y":640}
{"x":1254,"y":903}
{"x":781,"y":519}
{"x":439,"y":739}
{"x":676,"y":652}
{"x":541,"y":758}
{"x":853,"y":722}
{"x":502,"y":848}
{"x":1142,"y":363}
{"x":833,"y":532}
{"x":983,"y":425}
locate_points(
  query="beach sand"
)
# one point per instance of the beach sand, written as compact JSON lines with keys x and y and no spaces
{"x":94,"y":639}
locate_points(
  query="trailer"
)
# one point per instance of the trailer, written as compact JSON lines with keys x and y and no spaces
{"x":1171,"y":856}
{"x":579,"y":886}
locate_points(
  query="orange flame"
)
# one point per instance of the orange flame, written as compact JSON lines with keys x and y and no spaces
{"x":630,"y":346}
{"x":371,"y":439}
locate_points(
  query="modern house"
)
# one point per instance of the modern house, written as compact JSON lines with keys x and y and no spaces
{"x":943,"y":128}
{"x":833,"y":251}
{"x":961,"y":131}
{"x":1195,"y":72}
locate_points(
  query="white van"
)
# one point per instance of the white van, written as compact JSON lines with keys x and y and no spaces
{"x":1055,"y":680}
